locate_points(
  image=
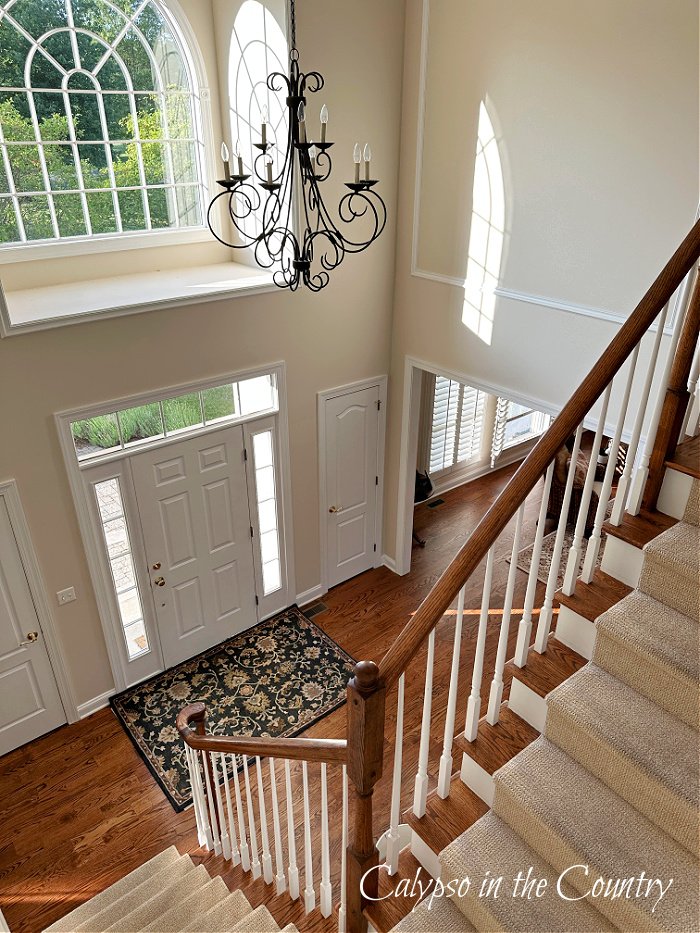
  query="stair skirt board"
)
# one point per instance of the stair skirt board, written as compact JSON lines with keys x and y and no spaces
{"x":421,"y":851}
{"x":477,"y":779}
{"x":622,"y":560}
{"x":527,"y":704}
{"x":576,"y":632}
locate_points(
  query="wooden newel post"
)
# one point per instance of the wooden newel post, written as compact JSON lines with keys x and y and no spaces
{"x":366,"y":700}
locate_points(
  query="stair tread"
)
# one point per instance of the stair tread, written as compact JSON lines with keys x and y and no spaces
{"x":387,"y":914}
{"x":223,"y":916}
{"x":492,"y":846}
{"x":163,"y":899}
{"x":686,"y":459}
{"x":178,"y":917}
{"x":444,"y":820}
{"x":591,"y":600}
{"x":439,"y":916}
{"x":671,"y":569}
{"x":100,"y":901}
{"x":495,"y":745}
{"x":544,"y":672}
{"x":131,"y":899}
{"x":571,"y":818}
{"x":639,"y":530}
{"x":259,"y":920}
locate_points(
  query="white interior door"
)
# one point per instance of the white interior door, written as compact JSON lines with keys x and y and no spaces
{"x":351,"y":472}
{"x":193,"y":503}
{"x":30,"y":704}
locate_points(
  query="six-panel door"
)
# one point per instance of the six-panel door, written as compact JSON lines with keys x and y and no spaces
{"x":193,"y":504}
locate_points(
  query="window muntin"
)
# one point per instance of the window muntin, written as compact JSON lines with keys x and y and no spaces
{"x":115,"y":531}
{"x":98,"y":127}
{"x":457,"y":424}
{"x":124,"y":429}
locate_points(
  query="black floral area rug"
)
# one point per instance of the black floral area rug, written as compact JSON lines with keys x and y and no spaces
{"x":274,"y":679}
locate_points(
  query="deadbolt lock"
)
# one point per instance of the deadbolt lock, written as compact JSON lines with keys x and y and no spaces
{"x":159,"y":582}
{"x":156,"y":566}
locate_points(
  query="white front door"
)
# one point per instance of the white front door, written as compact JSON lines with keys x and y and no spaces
{"x":193,"y":503}
{"x":29,"y":701}
{"x":351,"y":469}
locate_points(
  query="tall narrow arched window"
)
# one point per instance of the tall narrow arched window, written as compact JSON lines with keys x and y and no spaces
{"x":258,"y":48}
{"x":486,"y":233}
{"x":99,"y":128}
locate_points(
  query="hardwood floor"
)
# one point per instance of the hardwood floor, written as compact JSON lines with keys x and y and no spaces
{"x":79,"y":809}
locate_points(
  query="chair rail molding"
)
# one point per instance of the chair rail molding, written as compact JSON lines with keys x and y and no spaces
{"x":30,"y":562}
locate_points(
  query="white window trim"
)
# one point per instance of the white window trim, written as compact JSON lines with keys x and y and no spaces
{"x":90,"y":528}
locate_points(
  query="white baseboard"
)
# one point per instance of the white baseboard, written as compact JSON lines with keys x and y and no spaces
{"x":389,"y":563}
{"x":95,"y":704}
{"x":310,"y":596}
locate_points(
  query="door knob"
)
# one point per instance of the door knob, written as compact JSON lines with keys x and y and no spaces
{"x":31,"y":638}
{"x":156,"y":566}
{"x":159,"y":582}
{"x":335,"y":508}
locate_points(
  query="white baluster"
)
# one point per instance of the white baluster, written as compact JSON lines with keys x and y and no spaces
{"x":445,"y":772}
{"x":471,"y":726}
{"x":420,"y":795}
{"x":266,"y":857}
{"x":235,"y":853}
{"x":254,"y":860}
{"x":687,"y":428}
{"x":576,"y":550}
{"x":212,"y":806}
{"x":309,"y":893}
{"x":496,"y":695}
{"x":280,"y":879}
{"x":623,"y":487}
{"x":342,"y":912}
{"x":225,"y":840}
{"x":545,"y":620}
{"x":634,"y":503}
{"x":326,"y":888}
{"x":525,"y":627}
{"x":196,"y":801}
{"x":393,"y":843}
{"x":293,"y":869}
{"x":240,"y":813}
{"x":594,"y":542}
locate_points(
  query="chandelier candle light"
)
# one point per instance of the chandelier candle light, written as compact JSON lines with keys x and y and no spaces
{"x":304,"y":252}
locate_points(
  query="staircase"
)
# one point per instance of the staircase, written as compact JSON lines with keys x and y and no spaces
{"x":576,"y":769}
{"x":169,"y":894}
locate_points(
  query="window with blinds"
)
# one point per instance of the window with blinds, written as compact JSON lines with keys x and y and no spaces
{"x":457,"y":424}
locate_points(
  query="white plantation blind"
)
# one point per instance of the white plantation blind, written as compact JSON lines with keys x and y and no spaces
{"x":457,"y":424}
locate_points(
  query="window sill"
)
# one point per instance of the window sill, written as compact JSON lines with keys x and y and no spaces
{"x":126,"y":294}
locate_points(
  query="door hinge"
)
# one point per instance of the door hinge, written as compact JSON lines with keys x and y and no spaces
{"x":257,"y":601}
{"x":245,"y":454}
{"x":252,"y":533}
{"x":376,"y":480}
{"x":375,"y":547}
{"x":379,"y":405}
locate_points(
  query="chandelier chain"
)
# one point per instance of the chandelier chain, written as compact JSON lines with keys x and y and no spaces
{"x":293,"y":23}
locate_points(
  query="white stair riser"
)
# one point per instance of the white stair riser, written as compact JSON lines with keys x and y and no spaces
{"x":476,"y":779}
{"x":675,"y":493}
{"x":622,"y":561}
{"x":576,"y":632}
{"x":425,"y":855}
{"x":527,"y":704}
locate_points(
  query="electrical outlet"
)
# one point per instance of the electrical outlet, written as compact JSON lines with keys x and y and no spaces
{"x":65,"y":596}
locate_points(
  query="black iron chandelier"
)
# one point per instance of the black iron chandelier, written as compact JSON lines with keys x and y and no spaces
{"x":296,"y":235}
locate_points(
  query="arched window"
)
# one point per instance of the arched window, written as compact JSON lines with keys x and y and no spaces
{"x":487,"y":232}
{"x":99,"y":133}
{"x":258,"y":48}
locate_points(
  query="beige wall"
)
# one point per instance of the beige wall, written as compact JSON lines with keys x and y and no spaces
{"x":326,"y":340}
{"x":595,"y":106}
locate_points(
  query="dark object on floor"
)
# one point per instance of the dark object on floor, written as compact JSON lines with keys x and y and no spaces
{"x":556,"y":492}
{"x":424,"y":487}
{"x":275,"y":679}
{"x":314,"y":610}
{"x":417,"y":540}
{"x":435,"y":503}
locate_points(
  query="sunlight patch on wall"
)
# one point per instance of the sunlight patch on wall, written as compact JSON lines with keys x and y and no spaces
{"x":487,"y":232}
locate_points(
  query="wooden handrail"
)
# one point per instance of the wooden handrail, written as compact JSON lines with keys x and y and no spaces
{"x":330,"y":751}
{"x":436,"y":603}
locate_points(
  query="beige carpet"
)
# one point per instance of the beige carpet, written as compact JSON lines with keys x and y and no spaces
{"x":169,"y":894}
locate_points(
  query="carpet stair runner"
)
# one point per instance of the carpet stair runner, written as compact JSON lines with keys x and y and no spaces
{"x":169,"y":894}
{"x":613,"y":782}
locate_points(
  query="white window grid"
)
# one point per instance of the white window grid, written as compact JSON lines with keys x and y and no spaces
{"x":170,"y":186}
{"x":256,"y":30}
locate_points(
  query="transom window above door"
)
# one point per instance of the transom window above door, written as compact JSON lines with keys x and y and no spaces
{"x":99,"y":121}
{"x":155,"y":420}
